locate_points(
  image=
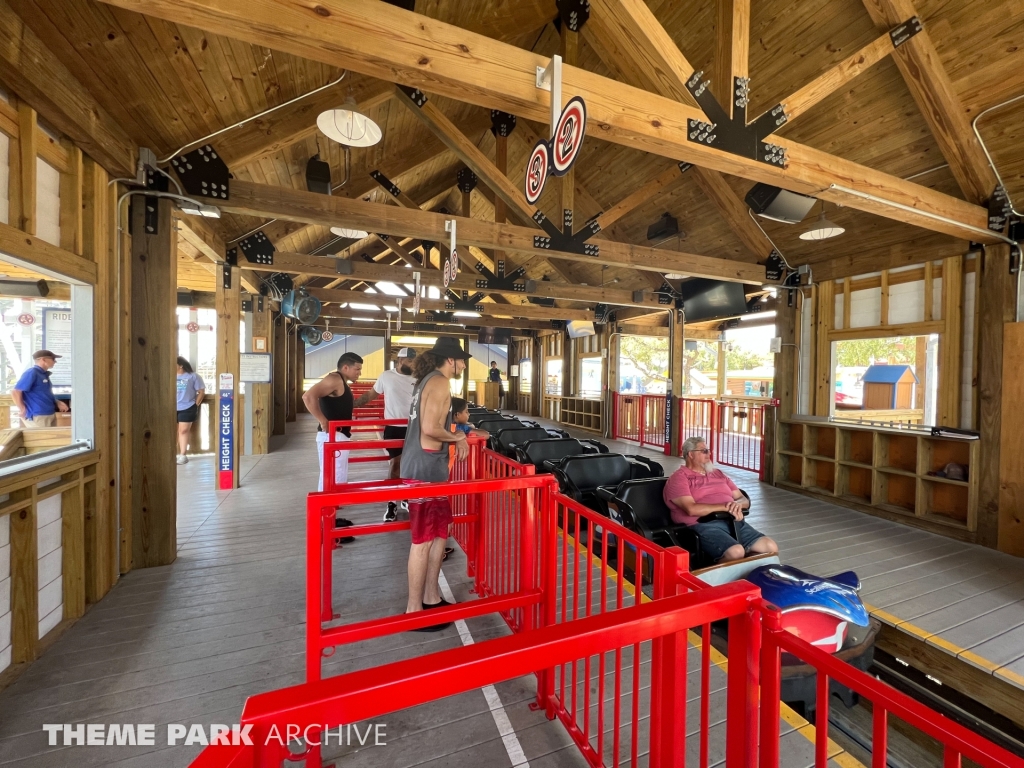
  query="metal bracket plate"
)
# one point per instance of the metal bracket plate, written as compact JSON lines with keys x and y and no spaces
{"x":385,"y":183}
{"x":903,"y":32}
{"x":203,"y":173}
{"x":258,"y":249}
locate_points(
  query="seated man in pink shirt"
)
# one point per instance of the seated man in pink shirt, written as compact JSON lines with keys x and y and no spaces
{"x":699,"y":489}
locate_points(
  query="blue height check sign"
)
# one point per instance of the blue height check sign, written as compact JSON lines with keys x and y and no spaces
{"x":226,"y":431}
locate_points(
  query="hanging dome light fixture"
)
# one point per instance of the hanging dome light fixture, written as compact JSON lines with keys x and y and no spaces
{"x":352,"y":234}
{"x":822,"y":229}
{"x":348,"y":126}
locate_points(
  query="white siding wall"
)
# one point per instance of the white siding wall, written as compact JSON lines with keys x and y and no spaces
{"x":865,"y":308}
{"x":47,"y":202}
{"x":803,"y":399}
{"x":840,"y":299}
{"x":5,"y":592}
{"x":967,"y":380}
{"x":51,"y":588}
{"x":906,"y":303}
{"x":5,"y":177}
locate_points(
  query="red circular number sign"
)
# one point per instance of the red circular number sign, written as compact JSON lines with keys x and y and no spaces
{"x":327,"y":336}
{"x":26,"y":319}
{"x":193,"y":327}
{"x":537,"y":171}
{"x":568,"y":136}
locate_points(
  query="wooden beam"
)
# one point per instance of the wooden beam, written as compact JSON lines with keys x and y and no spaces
{"x":917,"y":251}
{"x":71,"y":201}
{"x":40,"y":79}
{"x":632,"y":64}
{"x":835,"y":78}
{"x":951,"y":342}
{"x":663,"y":182}
{"x":932,"y":89}
{"x":261,"y":394}
{"x":37,"y":254}
{"x":279,"y":349}
{"x":825,"y":311}
{"x":732,"y":45}
{"x":390,"y":43}
{"x":204,"y":238}
{"x":154,"y":344}
{"x":27,"y":153}
{"x":488,"y":309}
{"x":278,"y":202}
{"x":882,"y":331}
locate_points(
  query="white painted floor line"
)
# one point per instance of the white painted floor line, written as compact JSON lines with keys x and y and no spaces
{"x":508,"y":734}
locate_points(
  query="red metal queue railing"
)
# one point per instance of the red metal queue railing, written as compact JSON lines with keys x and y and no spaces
{"x":534,"y":569}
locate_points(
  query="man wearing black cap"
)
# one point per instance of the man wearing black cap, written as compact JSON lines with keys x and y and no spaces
{"x":33,"y":393}
{"x":425,"y":457}
{"x":396,"y":385}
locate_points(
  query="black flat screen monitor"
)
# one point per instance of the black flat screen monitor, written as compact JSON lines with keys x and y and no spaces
{"x":489,"y":335}
{"x":705,"y":299}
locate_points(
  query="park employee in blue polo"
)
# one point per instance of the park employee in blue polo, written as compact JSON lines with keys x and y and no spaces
{"x":33,"y":393}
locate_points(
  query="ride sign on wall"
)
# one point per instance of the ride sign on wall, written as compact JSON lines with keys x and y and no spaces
{"x":226,"y":432}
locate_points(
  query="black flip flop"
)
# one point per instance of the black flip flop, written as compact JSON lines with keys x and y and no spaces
{"x":428,"y":606}
{"x":341,"y":522}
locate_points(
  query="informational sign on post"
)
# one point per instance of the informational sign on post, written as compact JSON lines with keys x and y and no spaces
{"x":668,"y":417}
{"x":57,"y":339}
{"x":226,"y":433}
{"x":254,"y":367}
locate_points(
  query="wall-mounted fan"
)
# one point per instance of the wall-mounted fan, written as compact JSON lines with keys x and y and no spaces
{"x":300,"y":306}
{"x":311,"y":335}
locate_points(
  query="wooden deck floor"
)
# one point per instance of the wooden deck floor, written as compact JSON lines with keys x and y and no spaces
{"x":188,"y":643}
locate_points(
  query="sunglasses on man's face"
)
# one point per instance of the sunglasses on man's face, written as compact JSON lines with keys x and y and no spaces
{"x":701,"y":450}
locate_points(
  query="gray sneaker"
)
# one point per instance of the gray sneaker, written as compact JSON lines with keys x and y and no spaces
{"x":182,"y":459}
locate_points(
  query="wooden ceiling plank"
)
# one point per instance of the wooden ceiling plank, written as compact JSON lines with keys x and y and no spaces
{"x":838,"y":76}
{"x":732,"y":48}
{"x":916,"y":251}
{"x":39,"y":78}
{"x":660,"y":183}
{"x":932,"y":89}
{"x":278,"y":202}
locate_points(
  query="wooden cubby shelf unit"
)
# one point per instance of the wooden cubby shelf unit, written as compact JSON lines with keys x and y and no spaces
{"x":881,"y":470}
{"x":583,"y":413}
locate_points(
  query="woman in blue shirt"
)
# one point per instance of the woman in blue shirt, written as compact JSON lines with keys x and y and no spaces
{"x":190,"y":394}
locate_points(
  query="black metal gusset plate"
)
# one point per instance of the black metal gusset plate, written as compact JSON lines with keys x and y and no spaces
{"x":203,"y":173}
{"x":441,"y":317}
{"x":566,"y":240}
{"x":415,"y":94}
{"x":258,"y":249}
{"x":385,"y":183}
{"x":999,"y":209}
{"x":903,"y":32}
{"x":500,"y":281}
{"x":463,"y":302}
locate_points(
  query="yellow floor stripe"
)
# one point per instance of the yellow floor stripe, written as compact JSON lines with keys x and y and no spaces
{"x":985,"y":663}
{"x":1012,"y":677}
{"x":788,"y":715}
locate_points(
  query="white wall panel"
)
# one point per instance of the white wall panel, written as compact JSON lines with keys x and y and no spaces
{"x":837,"y":321}
{"x":5,"y":177}
{"x":47,"y":202}
{"x":50,"y":564}
{"x":906,"y":303}
{"x":937,"y":298}
{"x":865,"y":308}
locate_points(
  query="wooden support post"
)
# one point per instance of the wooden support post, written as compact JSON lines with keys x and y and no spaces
{"x":228,"y":302}
{"x":279,"y":348}
{"x":824,"y":320}
{"x":723,"y":372}
{"x":787,"y":360}
{"x":951,"y":342}
{"x":884,"y":306}
{"x":995,"y":310}
{"x":100,"y":519}
{"x":24,"y":578}
{"x":732,"y":43}
{"x":27,"y":160}
{"x":537,"y":396}
{"x":72,"y":512}
{"x":501,"y":163}
{"x":121,"y":246}
{"x":300,"y":374}
{"x":262,"y":325}
{"x":292,"y":370}
{"x":676,"y":355}
{"x":154,"y":346}
{"x":921,"y":371}
{"x":1011,"y":458}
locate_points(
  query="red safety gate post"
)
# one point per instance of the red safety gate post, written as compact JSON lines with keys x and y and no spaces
{"x":668,"y":673}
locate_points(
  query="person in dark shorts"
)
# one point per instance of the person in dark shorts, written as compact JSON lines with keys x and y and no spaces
{"x":425,"y":457}
{"x":396,"y":385}
{"x":191,"y":390}
{"x":698,"y":489}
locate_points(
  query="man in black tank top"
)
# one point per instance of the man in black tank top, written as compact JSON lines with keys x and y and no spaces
{"x":330,"y":399}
